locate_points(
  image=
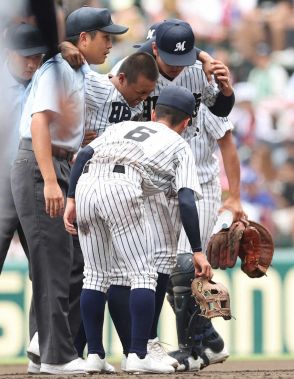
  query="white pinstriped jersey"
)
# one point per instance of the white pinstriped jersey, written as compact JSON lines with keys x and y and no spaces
{"x":105,"y":105}
{"x":209,"y":129}
{"x":163,"y":159}
{"x":191,"y":77}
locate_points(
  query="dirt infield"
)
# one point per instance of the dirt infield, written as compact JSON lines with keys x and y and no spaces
{"x":274,"y":369}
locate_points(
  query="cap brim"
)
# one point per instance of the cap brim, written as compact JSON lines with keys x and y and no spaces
{"x":32,"y":51}
{"x":145,"y":47}
{"x":179,"y":59}
{"x":114,"y":29}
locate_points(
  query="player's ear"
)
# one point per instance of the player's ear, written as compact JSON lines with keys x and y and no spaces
{"x":83,"y":38}
{"x":121,"y":78}
{"x":184,"y":125}
{"x":153,"y":115}
{"x":154,"y":49}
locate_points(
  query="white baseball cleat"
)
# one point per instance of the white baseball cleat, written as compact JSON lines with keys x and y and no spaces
{"x":76,"y":366}
{"x":123,"y":364}
{"x":96,"y":364}
{"x":157,"y":351}
{"x":33,"y":368}
{"x":214,"y":357}
{"x":148,"y":364}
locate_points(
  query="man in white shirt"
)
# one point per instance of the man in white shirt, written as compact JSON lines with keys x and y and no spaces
{"x":52,"y":129}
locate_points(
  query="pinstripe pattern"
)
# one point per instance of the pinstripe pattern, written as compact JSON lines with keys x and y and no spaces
{"x":203,"y":144}
{"x":192,"y":78}
{"x":105,"y":105}
{"x":207,"y":208}
{"x":164,"y":160}
{"x":103,"y":223}
{"x":110,"y":206}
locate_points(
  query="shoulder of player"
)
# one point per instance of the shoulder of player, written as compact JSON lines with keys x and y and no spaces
{"x":98,"y":82}
{"x":197,"y":66}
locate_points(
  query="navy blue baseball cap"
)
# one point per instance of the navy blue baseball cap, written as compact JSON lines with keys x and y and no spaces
{"x":87,"y":19}
{"x":175,"y":42}
{"x":25,"y":39}
{"x":177,"y":97}
{"x":146,"y":46}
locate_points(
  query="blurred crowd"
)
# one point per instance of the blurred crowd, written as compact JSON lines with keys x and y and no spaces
{"x":255,"y":39}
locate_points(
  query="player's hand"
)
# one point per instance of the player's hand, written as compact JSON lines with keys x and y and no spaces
{"x":222,"y":77}
{"x":202,"y":266}
{"x":69,"y":216}
{"x":71,"y":54}
{"x":54,"y":200}
{"x":234,"y":205}
{"x":89,"y":136}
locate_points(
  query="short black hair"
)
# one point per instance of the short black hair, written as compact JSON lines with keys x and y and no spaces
{"x":139,"y":63}
{"x":172,"y":115}
{"x":75,"y":39}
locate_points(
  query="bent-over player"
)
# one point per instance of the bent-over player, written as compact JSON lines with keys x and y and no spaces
{"x":129,"y":161}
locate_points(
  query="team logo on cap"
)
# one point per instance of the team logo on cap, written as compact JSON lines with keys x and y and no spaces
{"x":180,"y":46}
{"x":150,"y":33}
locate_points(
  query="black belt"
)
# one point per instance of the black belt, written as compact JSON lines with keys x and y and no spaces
{"x":117,"y":168}
{"x":57,"y":152}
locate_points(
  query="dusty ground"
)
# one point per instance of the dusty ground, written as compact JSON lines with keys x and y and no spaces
{"x":274,"y":369}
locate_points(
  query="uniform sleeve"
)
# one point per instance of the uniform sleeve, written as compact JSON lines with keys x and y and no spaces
{"x":189,"y":217}
{"x":53,"y":82}
{"x":216,"y":126}
{"x":186,"y":172}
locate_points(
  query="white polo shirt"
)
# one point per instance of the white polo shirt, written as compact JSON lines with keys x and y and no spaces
{"x":56,"y":87}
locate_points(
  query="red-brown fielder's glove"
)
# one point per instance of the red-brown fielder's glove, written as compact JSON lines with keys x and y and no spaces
{"x":223,"y":247}
{"x":249,"y":240}
{"x":256,"y":250}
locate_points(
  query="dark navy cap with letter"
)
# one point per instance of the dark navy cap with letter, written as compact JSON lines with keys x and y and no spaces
{"x":25,"y":39}
{"x":177,"y":97}
{"x":87,"y":19}
{"x":146,"y":46}
{"x":175,"y":42}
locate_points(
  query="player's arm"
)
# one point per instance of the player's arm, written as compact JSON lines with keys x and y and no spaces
{"x":206,"y":61}
{"x":41,"y":141}
{"x":190,"y":221}
{"x":71,"y":54}
{"x":232,"y":168}
{"x":70,"y":210}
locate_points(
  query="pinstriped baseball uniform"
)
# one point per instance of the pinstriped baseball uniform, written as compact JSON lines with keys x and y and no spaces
{"x":204,"y":144}
{"x":192,"y":78}
{"x":164,"y":217}
{"x":105,"y":105}
{"x":110,"y":203}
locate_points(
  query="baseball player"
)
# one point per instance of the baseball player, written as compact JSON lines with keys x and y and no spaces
{"x":173,"y":69}
{"x":51,"y":131}
{"x":175,"y":45}
{"x":111,"y":99}
{"x":212,"y":132}
{"x":129,"y":161}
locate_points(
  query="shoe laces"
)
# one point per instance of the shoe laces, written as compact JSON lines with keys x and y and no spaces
{"x":156,"y":349}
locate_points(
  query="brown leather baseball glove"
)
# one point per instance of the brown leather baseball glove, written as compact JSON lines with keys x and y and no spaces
{"x":213,"y":298}
{"x":223,"y":247}
{"x":256,"y":250}
{"x":249,"y":240}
